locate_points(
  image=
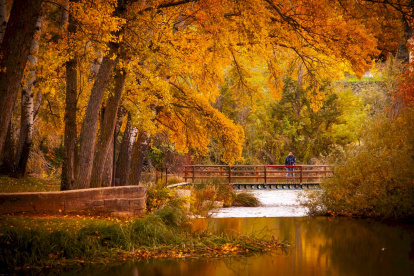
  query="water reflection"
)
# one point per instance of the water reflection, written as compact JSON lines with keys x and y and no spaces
{"x":320,"y":246}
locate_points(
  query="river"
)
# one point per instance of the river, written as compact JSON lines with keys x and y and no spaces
{"x":318,"y":246}
{"x":275,"y":203}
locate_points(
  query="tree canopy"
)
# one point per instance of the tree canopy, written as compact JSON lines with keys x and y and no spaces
{"x":204,"y":73}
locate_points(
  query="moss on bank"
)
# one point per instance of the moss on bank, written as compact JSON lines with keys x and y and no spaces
{"x":34,"y":242}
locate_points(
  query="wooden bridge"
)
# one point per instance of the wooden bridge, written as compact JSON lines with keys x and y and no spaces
{"x":260,"y":176}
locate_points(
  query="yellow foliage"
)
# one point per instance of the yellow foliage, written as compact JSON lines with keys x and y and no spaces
{"x":177,"y":53}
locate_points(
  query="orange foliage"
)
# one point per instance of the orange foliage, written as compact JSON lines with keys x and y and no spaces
{"x":405,"y":89}
{"x":176,"y":54}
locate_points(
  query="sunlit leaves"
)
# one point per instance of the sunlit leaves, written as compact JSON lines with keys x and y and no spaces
{"x":249,"y":47}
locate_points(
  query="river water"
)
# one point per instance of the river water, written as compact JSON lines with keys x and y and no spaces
{"x":275,"y":203}
{"x":318,"y":246}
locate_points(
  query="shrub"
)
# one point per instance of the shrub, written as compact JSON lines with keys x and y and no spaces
{"x":376,"y":177}
{"x":162,"y":196}
{"x":226,"y":194}
{"x":246,"y":199}
{"x":203,"y":198}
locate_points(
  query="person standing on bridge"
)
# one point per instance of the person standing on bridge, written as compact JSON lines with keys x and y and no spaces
{"x":290,"y":161}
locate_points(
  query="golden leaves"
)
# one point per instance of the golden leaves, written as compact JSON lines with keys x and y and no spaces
{"x":193,"y":45}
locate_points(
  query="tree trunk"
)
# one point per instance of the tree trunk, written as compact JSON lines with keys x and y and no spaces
{"x":8,"y":156}
{"x":123,"y":166}
{"x":108,"y":178}
{"x":140,"y":151}
{"x":95,"y":65}
{"x":37,"y":104}
{"x":108,"y":167}
{"x":27,"y":110}
{"x":15,"y":49}
{"x":107,"y":175}
{"x":3,"y":18}
{"x":90,"y":123}
{"x":107,"y":131}
{"x":64,"y":15}
{"x":26,"y":133}
{"x":68,"y":165}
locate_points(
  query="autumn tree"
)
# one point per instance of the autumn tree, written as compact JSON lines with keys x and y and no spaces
{"x":68,"y":166}
{"x":14,"y":51}
{"x":29,"y":108}
{"x":167,"y":63}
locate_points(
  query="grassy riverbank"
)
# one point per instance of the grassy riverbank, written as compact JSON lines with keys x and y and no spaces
{"x":28,"y":184}
{"x":27,"y":242}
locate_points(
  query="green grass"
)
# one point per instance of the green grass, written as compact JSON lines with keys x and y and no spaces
{"x":28,"y":184}
{"x":39,"y":242}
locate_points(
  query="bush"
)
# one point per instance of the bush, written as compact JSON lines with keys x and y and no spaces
{"x":158,"y":197}
{"x":203,"y":198}
{"x":376,"y":177}
{"x":226,"y":194}
{"x":246,"y":199}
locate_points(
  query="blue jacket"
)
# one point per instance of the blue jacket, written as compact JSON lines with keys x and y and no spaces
{"x":290,"y":160}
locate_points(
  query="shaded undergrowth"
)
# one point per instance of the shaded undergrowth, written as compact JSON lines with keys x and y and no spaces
{"x":39,"y":242}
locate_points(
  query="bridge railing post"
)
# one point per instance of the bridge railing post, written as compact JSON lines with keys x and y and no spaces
{"x":193,"y":173}
{"x":185,"y":174}
{"x":257,"y":175}
{"x":301,"y":175}
{"x":229,"y":167}
{"x":265,"y":175}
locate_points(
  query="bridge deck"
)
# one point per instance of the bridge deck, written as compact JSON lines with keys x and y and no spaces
{"x":275,"y":186}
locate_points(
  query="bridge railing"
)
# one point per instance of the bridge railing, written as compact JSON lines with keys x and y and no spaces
{"x":266,"y":174}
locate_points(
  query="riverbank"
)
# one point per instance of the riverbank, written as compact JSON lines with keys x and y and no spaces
{"x":318,"y":246}
{"x":28,"y":184}
{"x":28,"y":242}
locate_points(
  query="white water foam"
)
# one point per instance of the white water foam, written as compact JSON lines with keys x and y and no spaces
{"x":275,"y":203}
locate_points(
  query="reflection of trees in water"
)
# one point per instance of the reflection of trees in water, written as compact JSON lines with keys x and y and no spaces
{"x":227,"y":226}
{"x":320,"y":246}
{"x":339,"y":246}
{"x":174,"y":267}
{"x":362,"y":247}
{"x":118,"y":268}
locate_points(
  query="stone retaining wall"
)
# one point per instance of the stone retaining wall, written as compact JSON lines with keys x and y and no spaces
{"x":123,"y":201}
